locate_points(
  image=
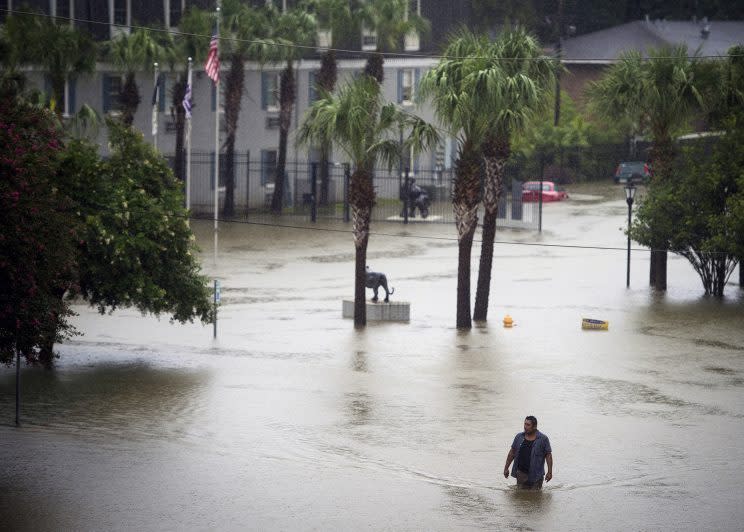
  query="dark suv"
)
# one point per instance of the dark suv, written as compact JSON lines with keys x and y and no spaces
{"x":636,"y":170}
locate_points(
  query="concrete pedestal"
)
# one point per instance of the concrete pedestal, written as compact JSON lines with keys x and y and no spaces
{"x":381,"y":311}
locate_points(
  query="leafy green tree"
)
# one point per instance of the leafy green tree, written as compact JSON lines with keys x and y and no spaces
{"x":700,"y":217}
{"x":661,"y":94}
{"x":447,"y":86}
{"x":363,"y":127}
{"x":38,"y":230}
{"x":137,"y":249}
{"x":292,"y":27}
{"x":510,"y":81}
{"x":131,"y":53}
{"x":59,"y":49}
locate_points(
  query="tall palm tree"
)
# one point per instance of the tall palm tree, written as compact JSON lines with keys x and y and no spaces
{"x":447,"y":86}
{"x":510,"y":81}
{"x":130,"y":53}
{"x":661,"y":93}
{"x":364,"y":128}
{"x":192,"y":42}
{"x":293,"y":27}
{"x":333,"y":16}
{"x":391,"y":20}
{"x":60,"y":50}
{"x":243,"y":34}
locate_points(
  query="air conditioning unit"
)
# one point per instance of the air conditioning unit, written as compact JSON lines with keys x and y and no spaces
{"x":272,"y":122}
{"x":412,"y":41}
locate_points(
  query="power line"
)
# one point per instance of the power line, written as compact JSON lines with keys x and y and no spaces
{"x":391,"y":55}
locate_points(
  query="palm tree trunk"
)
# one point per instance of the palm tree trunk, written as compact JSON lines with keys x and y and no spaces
{"x":233,"y":96}
{"x":496,"y":152}
{"x":179,"y":90}
{"x":662,"y":154}
{"x":286,"y":103}
{"x":327,"y":81}
{"x":465,"y":203}
{"x":130,"y":99}
{"x":375,"y":67}
{"x":362,"y":199}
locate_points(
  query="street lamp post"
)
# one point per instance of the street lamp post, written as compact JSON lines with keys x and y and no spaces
{"x":630,"y":190}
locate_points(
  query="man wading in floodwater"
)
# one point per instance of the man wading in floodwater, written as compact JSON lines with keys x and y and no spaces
{"x":530,"y":450}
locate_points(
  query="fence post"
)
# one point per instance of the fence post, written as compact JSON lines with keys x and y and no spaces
{"x":406,"y":195}
{"x":313,"y":196}
{"x":347,"y":177}
{"x":247,"y":182}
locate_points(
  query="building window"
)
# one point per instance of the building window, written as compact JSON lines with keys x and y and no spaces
{"x":407,"y":81}
{"x":120,"y":12}
{"x":270,"y":91}
{"x":268,"y":166}
{"x":111,"y":91}
{"x":176,"y":10}
{"x":62,"y":9}
{"x":369,"y":39}
{"x":312,"y":82}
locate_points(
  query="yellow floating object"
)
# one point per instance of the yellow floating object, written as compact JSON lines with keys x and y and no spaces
{"x":508,"y":321}
{"x":596,"y":325}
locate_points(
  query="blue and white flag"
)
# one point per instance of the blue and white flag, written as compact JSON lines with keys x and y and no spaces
{"x":187,"y":101}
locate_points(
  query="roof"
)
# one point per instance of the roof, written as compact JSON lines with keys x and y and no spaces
{"x":606,"y":46}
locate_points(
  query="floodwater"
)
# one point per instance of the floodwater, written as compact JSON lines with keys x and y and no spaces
{"x":292,"y":420}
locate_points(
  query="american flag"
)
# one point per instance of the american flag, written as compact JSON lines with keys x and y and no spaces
{"x":212,"y":66}
{"x":187,"y":101}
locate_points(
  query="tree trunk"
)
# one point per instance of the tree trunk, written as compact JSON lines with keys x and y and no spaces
{"x":465,"y":202}
{"x":496,"y":152}
{"x":361,"y":198}
{"x":233,"y":96}
{"x":286,"y":103}
{"x":130,"y":99}
{"x":662,"y":153}
{"x":179,"y":91}
{"x":375,"y":67}
{"x":327,"y":81}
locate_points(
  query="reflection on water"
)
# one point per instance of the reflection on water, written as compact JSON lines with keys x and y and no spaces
{"x":293,"y":420}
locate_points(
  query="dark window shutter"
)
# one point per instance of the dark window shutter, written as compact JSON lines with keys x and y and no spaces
{"x":264,"y":90}
{"x":214,"y":97}
{"x":416,"y":79}
{"x":400,"y":85}
{"x":312,"y":91}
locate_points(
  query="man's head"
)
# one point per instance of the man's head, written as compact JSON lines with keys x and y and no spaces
{"x":530,"y":424}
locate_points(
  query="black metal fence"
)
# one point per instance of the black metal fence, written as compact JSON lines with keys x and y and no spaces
{"x":308,"y":195}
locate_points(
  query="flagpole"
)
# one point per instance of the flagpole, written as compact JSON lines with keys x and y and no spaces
{"x":155,"y":108}
{"x":216,"y":146}
{"x":188,"y":144}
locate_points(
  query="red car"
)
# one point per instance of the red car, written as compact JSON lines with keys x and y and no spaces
{"x":550,"y":192}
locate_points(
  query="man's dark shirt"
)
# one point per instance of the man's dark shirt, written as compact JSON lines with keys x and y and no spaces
{"x":540,"y":447}
{"x":525,"y":452}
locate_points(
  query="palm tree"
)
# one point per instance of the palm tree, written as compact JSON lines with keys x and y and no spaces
{"x":59,"y":49}
{"x":130,"y":53}
{"x":333,"y":16}
{"x":454,"y":106}
{"x":510,"y":81}
{"x":364,"y":128}
{"x":242,"y":33}
{"x":192,"y":42}
{"x":291,"y":28}
{"x":391,"y":20}
{"x":661,"y":93}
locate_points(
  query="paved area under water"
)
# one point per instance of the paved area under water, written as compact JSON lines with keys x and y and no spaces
{"x":293,"y":420}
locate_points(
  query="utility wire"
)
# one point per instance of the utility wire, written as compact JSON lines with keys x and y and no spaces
{"x":342,"y":50}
